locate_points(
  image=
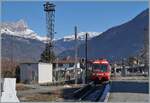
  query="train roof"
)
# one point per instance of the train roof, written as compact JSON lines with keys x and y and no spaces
{"x":101,"y":61}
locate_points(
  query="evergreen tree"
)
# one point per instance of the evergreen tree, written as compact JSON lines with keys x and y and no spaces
{"x":48,"y":56}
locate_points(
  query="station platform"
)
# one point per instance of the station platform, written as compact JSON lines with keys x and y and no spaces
{"x":129,"y":89}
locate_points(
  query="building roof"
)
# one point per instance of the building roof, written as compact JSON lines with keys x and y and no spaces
{"x":33,"y":63}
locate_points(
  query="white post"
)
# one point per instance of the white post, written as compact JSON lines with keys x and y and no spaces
{"x":9,"y":90}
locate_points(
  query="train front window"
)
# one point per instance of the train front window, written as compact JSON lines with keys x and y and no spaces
{"x":100,"y":67}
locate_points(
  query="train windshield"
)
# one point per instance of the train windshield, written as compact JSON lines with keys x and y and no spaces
{"x":100,"y":67}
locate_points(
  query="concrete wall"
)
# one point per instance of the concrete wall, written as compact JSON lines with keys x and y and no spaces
{"x":45,"y":73}
{"x":29,"y":72}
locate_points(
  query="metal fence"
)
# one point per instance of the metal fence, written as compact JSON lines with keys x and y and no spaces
{"x":130,"y":71}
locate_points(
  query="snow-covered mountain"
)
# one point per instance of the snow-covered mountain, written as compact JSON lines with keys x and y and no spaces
{"x":81,"y":36}
{"x":20,"y":29}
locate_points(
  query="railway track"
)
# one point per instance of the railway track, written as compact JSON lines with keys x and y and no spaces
{"x":92,"y":93}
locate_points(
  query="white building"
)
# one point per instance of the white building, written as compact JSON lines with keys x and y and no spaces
{"x":36,"y":72}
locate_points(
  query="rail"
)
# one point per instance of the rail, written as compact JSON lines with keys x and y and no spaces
{"x":93,"y":93}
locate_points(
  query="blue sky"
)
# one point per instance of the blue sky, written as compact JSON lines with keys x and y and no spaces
{"x":95,"y":16}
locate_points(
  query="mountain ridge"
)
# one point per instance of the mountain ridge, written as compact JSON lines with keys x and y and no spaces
{"x":117,"y":42}
{"x":21,"y":29}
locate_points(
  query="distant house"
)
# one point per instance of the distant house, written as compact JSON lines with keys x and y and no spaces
{"x":36,"y":72}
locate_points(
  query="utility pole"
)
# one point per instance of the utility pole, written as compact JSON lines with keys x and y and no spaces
{"x":57,"y":72}
{"x":146,"y":50}
{"x":123,"y":68}
{"x":76,"y":55}
{"x":86,"y":57}
{"x":11,"y":60}
{"x":83,"y":68}
{"x":115,"y":66}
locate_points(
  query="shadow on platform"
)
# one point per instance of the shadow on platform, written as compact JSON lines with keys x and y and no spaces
{"x":67,"y":93}
{"x":130,"y":87}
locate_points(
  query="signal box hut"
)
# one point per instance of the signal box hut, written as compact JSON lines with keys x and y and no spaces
{"x":36,"y":72}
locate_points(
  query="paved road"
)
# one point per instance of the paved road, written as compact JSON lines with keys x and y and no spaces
{"x":129,"y":91}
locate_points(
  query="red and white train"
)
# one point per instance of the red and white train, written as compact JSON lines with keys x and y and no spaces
{"x":101,"y":71}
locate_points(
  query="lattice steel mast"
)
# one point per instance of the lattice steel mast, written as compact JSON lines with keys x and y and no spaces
{"x":49,"y":9}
